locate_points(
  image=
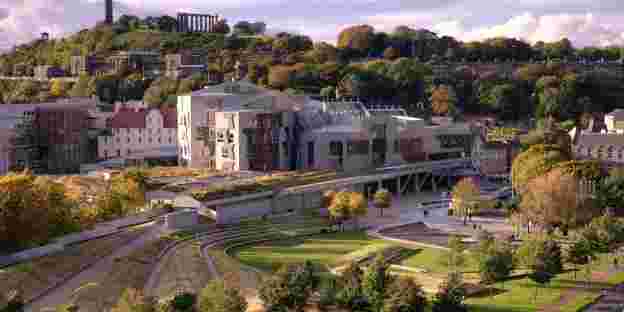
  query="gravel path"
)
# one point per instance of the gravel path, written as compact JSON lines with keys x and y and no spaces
{"x":64,"y":293}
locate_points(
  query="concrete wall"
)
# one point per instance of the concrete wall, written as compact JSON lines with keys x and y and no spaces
{"x":182,"y":219}
{"x":233,"y":213}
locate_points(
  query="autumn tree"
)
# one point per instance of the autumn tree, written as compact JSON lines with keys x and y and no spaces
{"x":382,"y":200}
{"x":290,"y":287}
{"x":215,"y":297}
{"x":279,"y":76}
{"x":391,"y":53}
{"x":466,"y":196}
{"x":405,"y":295}
{"x":358,"y":206}
{"x":443,"y":100}
{"x":534,"y":162}
{"x":58,"y":88}
{"x":358,"y":38}
{"x":552,"y":199}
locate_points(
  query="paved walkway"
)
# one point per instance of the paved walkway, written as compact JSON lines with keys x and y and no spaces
{"x":94,"y":274}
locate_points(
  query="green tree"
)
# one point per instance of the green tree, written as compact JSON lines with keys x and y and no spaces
{"x":454,"y":257}
{"x":450,"y":295}
{"x":382,"y":200}
{"x":216,"y":298}
{"x":497,"y":264}
{"x":376,"y":282}
{"x":329,"y":92}
{"x":350,"y":293}
{"x":405,"y":296}
{"x":579,"y":253}
{"x":291,"y":287}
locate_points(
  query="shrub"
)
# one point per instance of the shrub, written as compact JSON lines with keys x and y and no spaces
{"x":183,"y":302}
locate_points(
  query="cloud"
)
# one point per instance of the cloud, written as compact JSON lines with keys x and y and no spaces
{"x":581,"y":29}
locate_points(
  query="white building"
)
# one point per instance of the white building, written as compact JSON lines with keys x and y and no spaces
{"x":139,"y":134}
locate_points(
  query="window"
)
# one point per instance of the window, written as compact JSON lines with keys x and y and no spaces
{"x":357,"y":147}
{"x":118,"y":153}
{"x":118,"y":140}
{"x":610,"y":152}
{"x":311,"y":154}
{"x":139,"y":140}
{"x":285,"y":148}
{"x":335,"y":148}
{"x":170,"y":140}
{"x":129,"y":152}
{"x":128,"y":140}
{"x":149,"y":140}
{"x":158,"y":140}
{"x":397,"y":146}
{"x":105,"y":154}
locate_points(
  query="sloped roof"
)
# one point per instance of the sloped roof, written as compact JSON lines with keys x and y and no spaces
{"x":125,"y":119}
{"x":170,"y":118}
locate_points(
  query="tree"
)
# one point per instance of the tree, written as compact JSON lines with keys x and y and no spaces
{"x":455,"y":257}
{"x":222,"y":27}
{"x":216,"y":298}
{"x":290,"y":287}
{"x":357,"y":38}
{"x":81,"y":87}
{"x":133,"y":300}
{"x":497,"y":263}
{"x":350,"y":294}
{"x":279,"y":76}
{"x":358,"y":206}
{"x":450,"y":295}
{"x":443,"y":100}
{"x":58,"y":88}
{"x":543,"y":257}
{"x":466,"y":196}
{"x":405,"y":296}
{"x":579,"y":253}
{"x":382,"y":200}
{"x":167,"y":23}
{"x":376,"y":282}
{"x":534,"y":162}
{"x":391,"y":53}
{"x":322,"y":53}
{"x":552,"y":200}
{"x":610,"y":192}
{"x":328,"y":92}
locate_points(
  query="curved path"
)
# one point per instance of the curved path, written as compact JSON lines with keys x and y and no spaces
{"x":97,"y":272}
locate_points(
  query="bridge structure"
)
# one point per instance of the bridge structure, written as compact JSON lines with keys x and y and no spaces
{"x":400,"y":180}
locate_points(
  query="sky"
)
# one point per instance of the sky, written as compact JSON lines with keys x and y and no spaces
{"x":584,"y":22}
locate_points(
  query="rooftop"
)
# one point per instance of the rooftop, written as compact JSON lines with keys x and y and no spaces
{"x":603,"y":139}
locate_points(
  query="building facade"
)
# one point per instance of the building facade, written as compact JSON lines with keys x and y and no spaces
{"x":185,"y":64}
{"x":139,"y":134}
{"x":146,"y":62}
{"x":49,"y":138}
{"x":240,"y":126}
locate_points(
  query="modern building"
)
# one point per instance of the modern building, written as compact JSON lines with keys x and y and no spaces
{"x":48,"y":137}
{"x":240,"y":126}
{"x":185,"y":64}
{"x":140,"y":134}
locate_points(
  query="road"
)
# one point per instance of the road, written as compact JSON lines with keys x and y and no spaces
{"x":97,"y":272}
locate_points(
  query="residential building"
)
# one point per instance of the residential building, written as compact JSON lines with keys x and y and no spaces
{"x":185,"y":64}
{"x":44,"y":72}
{"x":606,"y":147}
{"x":493,"y":158}
{"x":89,"y":65}
{"x":146,"y":62}
{"x":240,"y":126}
{"x":139,"y":134}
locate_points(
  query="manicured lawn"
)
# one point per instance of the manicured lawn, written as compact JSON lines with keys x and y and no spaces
{"x":325,"y":250}
{"x":432,"y":260}
{"x":564,"y":293}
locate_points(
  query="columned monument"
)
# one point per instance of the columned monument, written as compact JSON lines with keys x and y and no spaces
{"x":188,"y":22}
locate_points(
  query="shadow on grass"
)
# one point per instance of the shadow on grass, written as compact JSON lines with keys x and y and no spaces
{"x":487,"y":292}
{"x":491,"y":308}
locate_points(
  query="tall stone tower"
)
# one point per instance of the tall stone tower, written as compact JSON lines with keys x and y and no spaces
{"x":109,"y":12}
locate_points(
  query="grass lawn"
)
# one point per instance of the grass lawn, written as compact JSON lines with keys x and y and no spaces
{"x":564,"y":293}
{"x":330,"y":249}
{"x":432,"y":260}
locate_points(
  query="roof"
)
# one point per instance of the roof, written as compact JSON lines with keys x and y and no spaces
{"x":617,"y":114}
{"x":170,"y":118}
{"x":598,"y":139}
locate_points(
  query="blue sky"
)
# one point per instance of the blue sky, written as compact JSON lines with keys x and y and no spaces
{"x":585,"y":22}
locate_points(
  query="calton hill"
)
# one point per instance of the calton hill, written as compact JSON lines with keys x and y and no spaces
{"x":553,"y":246}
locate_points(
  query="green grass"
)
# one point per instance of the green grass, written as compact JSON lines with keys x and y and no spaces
{"x":564,"y":292}
{"x":323,"y":249}
{"x":432,"y":260}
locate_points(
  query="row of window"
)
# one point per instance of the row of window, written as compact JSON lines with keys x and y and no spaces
{"x":109,"y":140}
{"x":357,"y":147}
{"x":140,"y":130}
{"x":600,"y":153}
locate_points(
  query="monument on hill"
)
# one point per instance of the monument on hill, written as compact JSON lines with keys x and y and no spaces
{"x":109,"y":12}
